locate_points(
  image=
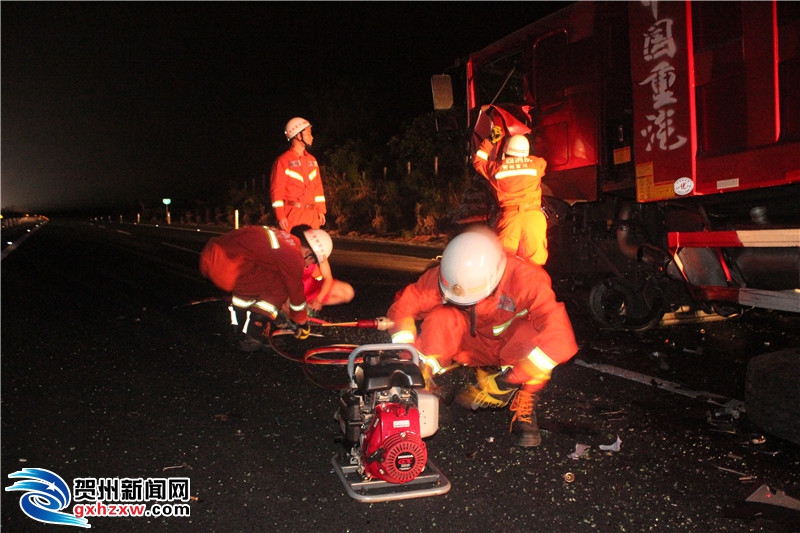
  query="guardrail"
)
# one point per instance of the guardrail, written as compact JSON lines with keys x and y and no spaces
{"x":20,"y":221}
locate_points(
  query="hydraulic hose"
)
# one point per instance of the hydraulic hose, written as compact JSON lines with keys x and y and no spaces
{"x":317,"y":356}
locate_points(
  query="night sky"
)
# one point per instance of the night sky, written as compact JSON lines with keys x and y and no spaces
{"x":116,"y":103}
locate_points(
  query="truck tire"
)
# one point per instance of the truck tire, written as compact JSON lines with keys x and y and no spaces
{"x":772,"y":393}
{"x":622,"y":304}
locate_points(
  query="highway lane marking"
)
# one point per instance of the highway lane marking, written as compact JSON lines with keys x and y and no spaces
{"x":180,"y":248}
{"x":669,"y":386}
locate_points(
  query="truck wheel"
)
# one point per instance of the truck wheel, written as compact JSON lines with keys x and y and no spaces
{"x":772,"y":393}
{"x":617,"y":303}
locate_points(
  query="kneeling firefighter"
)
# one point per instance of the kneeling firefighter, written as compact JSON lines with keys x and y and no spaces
{"x":486,"y":307}
{"x":262,"y":268}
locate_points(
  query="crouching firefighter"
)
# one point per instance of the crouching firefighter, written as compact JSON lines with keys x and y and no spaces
{"x":485,"y":307}
{"x":262,"y":268}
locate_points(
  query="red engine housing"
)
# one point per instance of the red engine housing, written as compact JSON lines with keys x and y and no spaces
{"x":392,"y":448}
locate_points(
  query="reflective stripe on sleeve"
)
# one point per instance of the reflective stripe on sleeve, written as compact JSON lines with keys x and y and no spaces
{"x":319,"y":199}
{"x":541,"y":360}
{"x":403,"y":337}
{"x":480,"y":154}
{"x":297,"y":308}
{"x":431,"y":362}
{"x":278,"y":203}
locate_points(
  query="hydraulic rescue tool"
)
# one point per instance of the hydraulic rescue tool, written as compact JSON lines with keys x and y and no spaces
{"x":384,"y":417}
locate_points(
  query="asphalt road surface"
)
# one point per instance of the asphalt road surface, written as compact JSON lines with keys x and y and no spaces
{"x":117,"y":367}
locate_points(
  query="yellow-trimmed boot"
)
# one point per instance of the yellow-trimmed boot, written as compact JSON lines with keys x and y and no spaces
{"x":490,"y":390}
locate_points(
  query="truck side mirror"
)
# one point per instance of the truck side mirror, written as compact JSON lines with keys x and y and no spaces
{"x":442,"y":88}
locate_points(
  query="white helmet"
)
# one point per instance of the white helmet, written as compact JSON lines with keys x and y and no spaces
{"x":518,"y":146}
{"x":320,"y":243}
{"x":472,"y":264}
{"x":295,"y":126}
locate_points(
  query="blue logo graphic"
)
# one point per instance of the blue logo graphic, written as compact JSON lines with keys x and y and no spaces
{"x":46,"y":494}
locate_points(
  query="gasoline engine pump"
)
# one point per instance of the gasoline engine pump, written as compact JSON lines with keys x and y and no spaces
{"x":384,"y":413}
{"x":384,"y":417}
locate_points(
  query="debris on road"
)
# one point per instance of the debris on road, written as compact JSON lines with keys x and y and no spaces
{"x":731,"y":471}
{"x":176,"y":467}
{"x":614,"y":447}
{"x":764,"y":494}
{"x":580,"y":451}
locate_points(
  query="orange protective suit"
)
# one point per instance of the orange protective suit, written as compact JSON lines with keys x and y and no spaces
{"x":517,"y":182}
{"x":296,"y":189}
{"x":521,"y":324}
{"x":312,"y":283}
{"x":260,"y":265}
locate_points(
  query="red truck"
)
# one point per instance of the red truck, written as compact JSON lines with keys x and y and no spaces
{"x":672,"y":136}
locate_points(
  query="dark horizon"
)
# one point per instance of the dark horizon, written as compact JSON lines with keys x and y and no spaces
{"x":112,"y":104}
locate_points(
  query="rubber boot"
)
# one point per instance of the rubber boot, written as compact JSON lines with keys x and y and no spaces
{"x":257,"y":328}
{"x":254,"y":333}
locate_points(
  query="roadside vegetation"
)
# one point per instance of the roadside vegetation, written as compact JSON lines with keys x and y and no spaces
{"x":411,"y":185}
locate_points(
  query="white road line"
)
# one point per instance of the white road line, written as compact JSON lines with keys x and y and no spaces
{"x":181,"y":248}
{"x":669,"y":386}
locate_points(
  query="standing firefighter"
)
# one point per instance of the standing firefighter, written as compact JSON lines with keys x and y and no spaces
{"x":262,"y":267}
{"x":485,"y":307}
{"x":517,"y":183}
{"x":295,"y":183}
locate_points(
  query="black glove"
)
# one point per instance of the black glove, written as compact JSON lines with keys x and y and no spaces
{"x":301,"y":331}
{"x":496,"y":134}
{"x":282,"y":321}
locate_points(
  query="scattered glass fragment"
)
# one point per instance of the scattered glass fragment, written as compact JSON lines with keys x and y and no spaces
{"x":611,"y":447}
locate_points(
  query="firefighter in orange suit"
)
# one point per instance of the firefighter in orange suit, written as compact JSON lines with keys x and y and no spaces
{"x":320,"y":286}
{"x":517,"y":182}
{"x":295,"y":183}
{"x":485,"y":307}
{"x":262,"y":267}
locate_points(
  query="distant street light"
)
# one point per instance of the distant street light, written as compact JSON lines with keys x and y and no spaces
{"x":167,"y":201}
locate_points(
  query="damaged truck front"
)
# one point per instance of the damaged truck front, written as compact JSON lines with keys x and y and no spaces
{"x":672,"y":136}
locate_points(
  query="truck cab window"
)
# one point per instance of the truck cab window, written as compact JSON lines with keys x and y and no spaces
{"x":501,"y":81}
{"x":549,"y":59}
